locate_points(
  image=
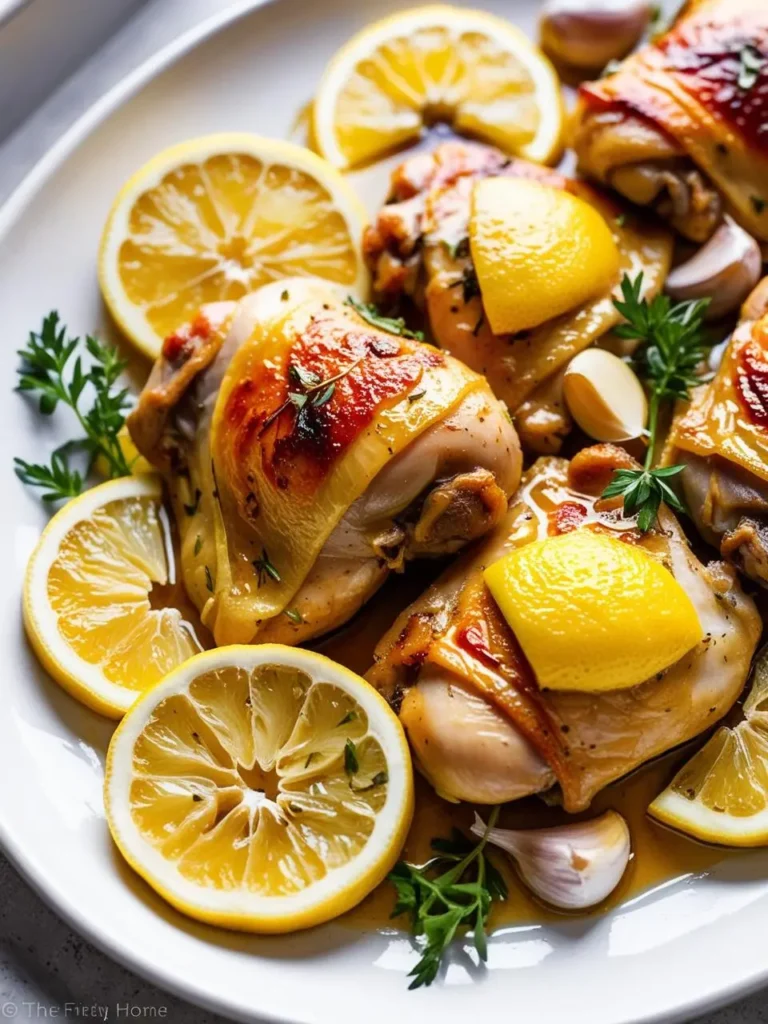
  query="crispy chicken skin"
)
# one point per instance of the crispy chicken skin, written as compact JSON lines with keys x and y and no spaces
{"x":419,"y":247}
{"x":291,"y":493}
{"x":680,"y":127}
{"x":722,"y":438}
{"x":451,"y":657}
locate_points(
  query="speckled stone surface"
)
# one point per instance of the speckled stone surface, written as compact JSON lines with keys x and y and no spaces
{"x":46,"y":971}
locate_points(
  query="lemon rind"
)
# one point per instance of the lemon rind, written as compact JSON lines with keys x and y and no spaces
{"x":698,"y":821}
{"x":238,"y":909}
{"x":83,"y":680}
{"x":126,"y":314}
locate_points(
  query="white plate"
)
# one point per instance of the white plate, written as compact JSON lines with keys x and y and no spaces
{"x":666,"y":955}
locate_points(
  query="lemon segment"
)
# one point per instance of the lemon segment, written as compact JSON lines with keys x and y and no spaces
{"x":87,"y":607}
{"x":721,"y":794}
{"x":437,"y":63}
{"x":593,"y":613}
{"x":263,"y":788}
{"x":216,"y":217}
{"x":537,"y":251}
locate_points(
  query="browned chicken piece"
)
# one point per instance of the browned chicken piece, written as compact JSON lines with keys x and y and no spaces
{"x":419,"y":248}
{"x":260,"y":473}
{"x":480,"y":727}
{"x":722,"y":439}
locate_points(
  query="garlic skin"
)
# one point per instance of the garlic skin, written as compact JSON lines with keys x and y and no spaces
{"x":604,"y":396}
{"x":571,"y":867}
{"x":724,"y":270}
{"x":589,"y":33}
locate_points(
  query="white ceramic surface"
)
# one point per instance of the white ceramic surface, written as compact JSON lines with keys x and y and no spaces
{"x":666,"y":955}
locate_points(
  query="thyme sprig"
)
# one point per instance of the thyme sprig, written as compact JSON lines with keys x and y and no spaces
{"x":452,"y":891}
{"x":315,"y":390}
{"x":49,"y":372}
{"x":390,"y":325}
{"x":672,"y":349}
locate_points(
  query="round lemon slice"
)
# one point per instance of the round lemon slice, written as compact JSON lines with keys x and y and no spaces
{"x":263,"y":788}
{"x":216,"y":217}
{"x":721,"y":794}
{"x":88,"y":596}
{"x":438,"y":63}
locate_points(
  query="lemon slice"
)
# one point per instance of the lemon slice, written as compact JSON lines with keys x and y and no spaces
{"x":87,"y":607}
{"x":216,"y":217}
{"x":437,"y":63}
{"x":264,"y":788}
{"x":721,"y":794}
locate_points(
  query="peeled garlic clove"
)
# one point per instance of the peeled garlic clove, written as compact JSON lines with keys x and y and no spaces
{"x":604,"y":396}
{"x":590,"y":33}
{"x":724,"y":270}
{"x":571,"y":866}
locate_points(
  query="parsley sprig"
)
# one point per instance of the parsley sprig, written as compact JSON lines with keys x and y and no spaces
{"x":453,"y":890}
{"x":669,"y":359}
{"x":48,"y":371}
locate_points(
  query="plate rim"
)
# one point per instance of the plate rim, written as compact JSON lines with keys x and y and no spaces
{"x":103,"y":939}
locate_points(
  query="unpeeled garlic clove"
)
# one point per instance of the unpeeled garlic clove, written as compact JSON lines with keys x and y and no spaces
{"x":724,"y":270}
{"x":604,"y":396}
{"x":572,"y":866}
{"x":590,"y":33}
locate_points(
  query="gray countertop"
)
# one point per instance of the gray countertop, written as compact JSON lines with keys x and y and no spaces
{"x":46,"y":971}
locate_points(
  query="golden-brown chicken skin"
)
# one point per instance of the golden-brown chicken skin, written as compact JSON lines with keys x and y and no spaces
{"x":308,"y":453}
{"x":681,"y":125}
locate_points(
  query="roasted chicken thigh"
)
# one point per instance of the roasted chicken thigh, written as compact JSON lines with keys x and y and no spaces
{"x":479,"y":724}
{"x":308,"y":453}
{"x":419,"y":247}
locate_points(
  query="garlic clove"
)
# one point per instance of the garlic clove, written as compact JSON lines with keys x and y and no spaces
{"x":590,"y":33}
{"x":572,"y":866}
{"x":604,"y":396}
{"x":724,"y":270}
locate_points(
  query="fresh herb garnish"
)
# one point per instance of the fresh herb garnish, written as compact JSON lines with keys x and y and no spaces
{"x":208,"y":579}
{"x":672,"y":348}
{"x":416,"y":395}
{"x":198,"y":544}
{"x":452,"y":891}
{"x":349,"y":717}
{"x":316,"y":390}
{"x":294,"y":615}
{"x":265,"y":569}
{"x":751,"y":64}
{"x":47,"y":370}
{"x":391,"y":325}
{"x":351,"y":763}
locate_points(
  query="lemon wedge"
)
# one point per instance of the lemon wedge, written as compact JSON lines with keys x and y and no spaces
{"x":593,"y":613}
{"x":216,"y":217}
{"x":721,"y":794}
{"x":263,"y":788}
{"x":87,"y":607}
{"x":437,"y":63}
{"x":537,"y":251}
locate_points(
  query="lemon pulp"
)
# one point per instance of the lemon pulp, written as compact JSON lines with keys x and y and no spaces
{"x":260,"y":789}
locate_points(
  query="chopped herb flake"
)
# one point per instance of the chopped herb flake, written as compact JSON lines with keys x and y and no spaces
{"x":351,"y":763}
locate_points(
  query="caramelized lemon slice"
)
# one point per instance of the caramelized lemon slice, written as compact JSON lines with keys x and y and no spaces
{"x":264,"y":788}
{"x":721,"y":795}
{"x":216,"y":217}
{"x":437,"y":63}
{"x":87,"y":606}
